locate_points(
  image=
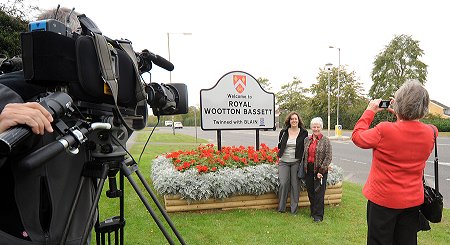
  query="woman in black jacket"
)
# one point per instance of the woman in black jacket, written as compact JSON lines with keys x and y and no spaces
{"x":290,"y":145}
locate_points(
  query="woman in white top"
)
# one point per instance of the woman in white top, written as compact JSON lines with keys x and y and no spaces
{"x":290,"y":145}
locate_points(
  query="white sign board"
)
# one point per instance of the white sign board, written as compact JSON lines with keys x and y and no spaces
{"x":237,"y":101}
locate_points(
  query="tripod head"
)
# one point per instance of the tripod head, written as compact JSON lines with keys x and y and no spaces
{"x":106,"y":135}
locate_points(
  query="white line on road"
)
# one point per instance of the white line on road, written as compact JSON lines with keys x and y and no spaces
{"x":341,"y":142}
{"x":348,"y":160}
{"x":447,"y":179}
{"x":441,"y":163}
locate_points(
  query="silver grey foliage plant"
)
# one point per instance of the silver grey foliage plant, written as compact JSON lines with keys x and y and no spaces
{"x":223,"y":183}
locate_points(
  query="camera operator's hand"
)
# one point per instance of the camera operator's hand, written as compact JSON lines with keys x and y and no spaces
{"x":374,"y":106}
{"x":32,"y":114}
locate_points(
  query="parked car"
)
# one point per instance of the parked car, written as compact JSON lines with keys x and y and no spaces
{"x":177,"y":125}
{"x":168,"y":123}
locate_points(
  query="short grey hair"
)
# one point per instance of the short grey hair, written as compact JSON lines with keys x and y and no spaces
{"x":316,"y":120}
{"x":411,"y":101}
{"x":73,"y":23}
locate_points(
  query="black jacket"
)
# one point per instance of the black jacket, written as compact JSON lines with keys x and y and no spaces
{"x":299,"y":146}
{"x":39,"y":200}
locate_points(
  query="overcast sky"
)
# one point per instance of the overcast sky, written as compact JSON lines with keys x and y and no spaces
{"x":276,"y":40}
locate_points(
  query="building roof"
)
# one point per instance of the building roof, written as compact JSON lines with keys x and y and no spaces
{"x":440,"y":104}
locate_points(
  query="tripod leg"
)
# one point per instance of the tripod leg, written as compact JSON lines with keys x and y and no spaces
{"x":122,"y":209}
{"x":92,"y":212}
{"x":161,"y":209}
{"x":127,"y":172}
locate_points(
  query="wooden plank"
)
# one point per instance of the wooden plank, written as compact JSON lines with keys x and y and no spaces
{"x":330,"y":187}
{"x":173,"y":203}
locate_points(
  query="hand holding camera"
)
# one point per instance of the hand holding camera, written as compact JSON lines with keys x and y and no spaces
{"x":384,"y":103}
{"x":378,"y":105}
{"x":387,"y":104}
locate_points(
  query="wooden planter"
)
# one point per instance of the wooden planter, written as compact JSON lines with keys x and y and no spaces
{"x":174,"y":203}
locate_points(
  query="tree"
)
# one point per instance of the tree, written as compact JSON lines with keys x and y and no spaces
{"x":265,"y":84}
{"x":18,"y":9}
{"x":292,"y":97}
{"x":14,"y":18}
{"x":352,"y":101}
{"x":397,"y":63}
{"x":189,"y":118}
{"x":10,"y":29}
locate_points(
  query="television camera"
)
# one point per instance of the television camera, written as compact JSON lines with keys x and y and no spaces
{"x":96,"y":83}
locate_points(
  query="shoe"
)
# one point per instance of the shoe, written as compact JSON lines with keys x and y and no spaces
{"x":317,"y":220}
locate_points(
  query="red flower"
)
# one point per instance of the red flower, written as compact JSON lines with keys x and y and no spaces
{"x":206,"y":159}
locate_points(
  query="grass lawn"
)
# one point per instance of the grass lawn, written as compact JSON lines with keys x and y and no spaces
{"x":343,"y":224}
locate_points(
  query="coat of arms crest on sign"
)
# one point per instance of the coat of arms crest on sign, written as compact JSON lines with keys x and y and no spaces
{"x":239,"y":82}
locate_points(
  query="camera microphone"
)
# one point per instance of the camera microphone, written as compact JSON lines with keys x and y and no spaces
{"x":156,"y":59}
{"x":57,"y":104}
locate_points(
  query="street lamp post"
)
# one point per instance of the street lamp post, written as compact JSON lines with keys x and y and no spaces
{"x":328,"y":67}
{"x":339,"y":83}
{"x":170,"y":72}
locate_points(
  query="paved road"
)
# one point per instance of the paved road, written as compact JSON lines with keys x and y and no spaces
{"x":355,"y":162}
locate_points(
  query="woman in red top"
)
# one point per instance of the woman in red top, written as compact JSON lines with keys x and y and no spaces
{"x":316,"y":159}
{"x":394,"y":188}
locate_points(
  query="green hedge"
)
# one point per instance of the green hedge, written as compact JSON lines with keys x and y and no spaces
{"x":442,"y":124}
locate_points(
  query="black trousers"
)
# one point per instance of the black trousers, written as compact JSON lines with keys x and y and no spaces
{"x":391,"y":226}
{"x":316,"y":199}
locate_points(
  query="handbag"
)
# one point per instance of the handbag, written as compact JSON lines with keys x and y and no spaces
{"x":432,"y":205}
{"x":433,"y":200}
{"x":301,"y":171}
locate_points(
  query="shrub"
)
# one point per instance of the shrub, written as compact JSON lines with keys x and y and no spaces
{"x":232,"y":178}
{"x":442,"y":124}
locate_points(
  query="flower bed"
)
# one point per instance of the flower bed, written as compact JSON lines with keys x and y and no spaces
{"x":207,"y":159}
{"x":205,"y":174}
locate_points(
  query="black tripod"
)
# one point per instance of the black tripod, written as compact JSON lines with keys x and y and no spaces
{"x":108,"y":159}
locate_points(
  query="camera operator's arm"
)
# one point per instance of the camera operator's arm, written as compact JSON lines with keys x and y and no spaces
{"x":32,"y":114}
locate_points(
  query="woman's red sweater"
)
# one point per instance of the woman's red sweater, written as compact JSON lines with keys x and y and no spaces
{"x":400,"y":152}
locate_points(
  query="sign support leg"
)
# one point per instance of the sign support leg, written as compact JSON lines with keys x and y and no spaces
{"x":257,"y":139}
{"x":219,"y":140}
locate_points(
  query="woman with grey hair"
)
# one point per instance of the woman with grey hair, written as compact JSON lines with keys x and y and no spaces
{"x":316,"y":159}
{"x":394,"y":188}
